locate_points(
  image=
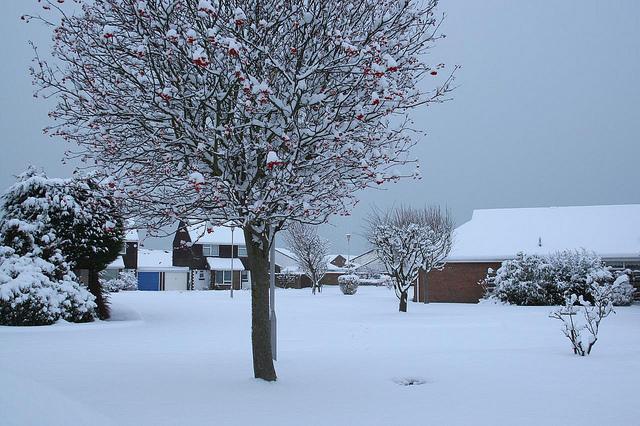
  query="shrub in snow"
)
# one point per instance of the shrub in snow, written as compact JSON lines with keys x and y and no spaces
{"x":349,"y":283}
{"x":547,"y":280}
{"x":524,"y":280}
{"x":126,"y":281}
{"x":581,"y":318}
{"x":79,"y":216}
{"x":623,"y":291}
{"x":31,"y":295}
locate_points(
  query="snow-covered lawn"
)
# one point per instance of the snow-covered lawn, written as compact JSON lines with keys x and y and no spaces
{"x":185,"y":359}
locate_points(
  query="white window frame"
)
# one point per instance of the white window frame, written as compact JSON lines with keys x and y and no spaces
{"x":242,"y":251}
{"x":211,"y":250}
{"x":227,"y":278}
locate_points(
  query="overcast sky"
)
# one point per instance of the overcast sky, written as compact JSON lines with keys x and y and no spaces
{"x":546,"y":113}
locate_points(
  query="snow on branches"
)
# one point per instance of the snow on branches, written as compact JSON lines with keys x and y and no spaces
{"x":407,"y":240}
{"x":581,"y":318}
{"x":311,"y":250}
{"x":285,"y":109}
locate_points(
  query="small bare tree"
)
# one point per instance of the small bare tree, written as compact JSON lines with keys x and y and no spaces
{"x":311,"y":251}
{"x":407,"y":240}
{"x":581,"y":318}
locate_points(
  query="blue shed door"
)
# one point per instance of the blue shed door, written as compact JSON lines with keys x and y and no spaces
{"x":149,"y":281}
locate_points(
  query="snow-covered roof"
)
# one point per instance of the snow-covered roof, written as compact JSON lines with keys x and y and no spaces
{"x":116,"y":264}
{"x":156,"y":260}
{"x":612,"y":232}
{"x":224,"y":264}
{"x":131,"y":235}
{"x":200,"y":234}
{"x":287,"y":253}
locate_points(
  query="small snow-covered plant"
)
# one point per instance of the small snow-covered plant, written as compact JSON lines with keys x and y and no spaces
{"x":581,"y":318}
{"x":126,"y":281}
{"x":349,"y":283}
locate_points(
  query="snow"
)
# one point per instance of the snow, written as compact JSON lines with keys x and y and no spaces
{"x":131,"y":235}
{"x":116,"y":264}
{"x":224,"y":264}
{"x":172,"y":358}
{"x":612,"y":232}
{"x":157,"y":260}
{"x":219,"y":235}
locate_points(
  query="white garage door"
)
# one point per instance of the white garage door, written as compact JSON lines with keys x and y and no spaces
{"x":175,"y":280}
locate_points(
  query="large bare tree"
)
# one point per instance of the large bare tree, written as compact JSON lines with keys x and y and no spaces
{"x":254,"y":112}
{"x":408,"y":239}
{"x":311,"y":250}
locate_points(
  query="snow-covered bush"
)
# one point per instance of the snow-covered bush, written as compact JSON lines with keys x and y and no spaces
{"x":623,"y":291}
{"x":80,"y":214}
{"x":581,"y":318}
{"x":349,"y":283}
{"x":30,"y":295}
{"x":37,"y":286}
{"x":126,"y":281}
{"x":524,"y":280}
{"x":547,"y":280}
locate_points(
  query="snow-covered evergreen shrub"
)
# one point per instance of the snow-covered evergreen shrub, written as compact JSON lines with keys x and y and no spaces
{"x":37,"y":286}
{"x":623,"y":291}
{"x":349,"y":283}
{"x":548,"y":280}
{"x":524,"y":280}
{"x":126,"y":281}
{"x":31,"y":295}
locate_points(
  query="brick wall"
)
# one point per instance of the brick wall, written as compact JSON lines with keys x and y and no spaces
{"x":456,"y":283}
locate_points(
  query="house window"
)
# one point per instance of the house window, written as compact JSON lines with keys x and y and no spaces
{"x":244,"y":277}
{"x":242,"y":251}
{"x":223,"y":277}
{"x":123,"y":249}
{"x":211,"y":250}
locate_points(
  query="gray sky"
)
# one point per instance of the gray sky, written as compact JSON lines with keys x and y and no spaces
{"x":547,"y":111}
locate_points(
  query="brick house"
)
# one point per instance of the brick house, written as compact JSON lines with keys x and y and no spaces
{"x":495,"y":235}
{"x":216,"y":258}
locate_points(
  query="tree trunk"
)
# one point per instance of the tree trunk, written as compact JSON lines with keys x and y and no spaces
{"x":258,"y":259}
{"x":102,"y":299}
{"x":403,"y":301}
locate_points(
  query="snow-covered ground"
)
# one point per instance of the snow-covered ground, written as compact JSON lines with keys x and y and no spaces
{"x":185,"y":359}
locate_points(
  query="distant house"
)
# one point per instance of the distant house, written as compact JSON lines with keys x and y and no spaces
{"x":495,"y":235}
{"x":207,"y":253}
{"x":290,"y":273}
{"x":336,"y":266}
{"x":157,"y":272}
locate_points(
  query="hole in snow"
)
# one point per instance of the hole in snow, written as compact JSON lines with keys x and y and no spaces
{"x":409,"y":381}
